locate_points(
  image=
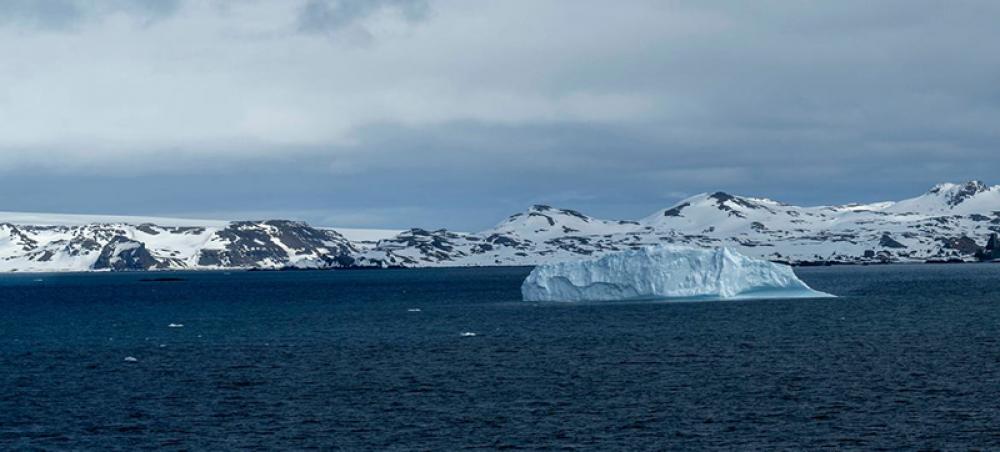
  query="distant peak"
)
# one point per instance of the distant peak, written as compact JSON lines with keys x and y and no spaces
{"x":955,"y":194}
{"x":974,"y":186}
{"x":725,"y":201}
{"x":538,"y":208}
{"x":721,"y":196}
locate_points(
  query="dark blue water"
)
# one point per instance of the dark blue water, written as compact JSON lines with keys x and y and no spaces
{"x":909,"y":357}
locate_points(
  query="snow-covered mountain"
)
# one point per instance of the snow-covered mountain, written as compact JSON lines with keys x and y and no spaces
{"x":147,"y":246}
{"x":950,"y":222}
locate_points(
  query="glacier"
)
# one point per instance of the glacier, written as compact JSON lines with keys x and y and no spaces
{"x":665,"y":272}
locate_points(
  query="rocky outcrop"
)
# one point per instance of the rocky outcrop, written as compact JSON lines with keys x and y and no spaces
{"x":947,"y":224}
{"x":991,"y":252}
{"x":122,"y":254}
{"x":888,"y":242}
{"x":146,"y":246}
{"x":276,"y":243}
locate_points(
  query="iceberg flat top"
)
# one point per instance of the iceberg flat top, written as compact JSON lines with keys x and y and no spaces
{"x":665,"y":272}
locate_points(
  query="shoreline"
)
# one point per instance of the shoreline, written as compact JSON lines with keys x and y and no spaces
{"x":810,"y":264}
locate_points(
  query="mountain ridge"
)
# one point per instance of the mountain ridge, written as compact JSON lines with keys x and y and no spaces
{"x":949,"y":222}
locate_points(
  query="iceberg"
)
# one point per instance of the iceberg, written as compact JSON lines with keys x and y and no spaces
{"x":665,"y":272}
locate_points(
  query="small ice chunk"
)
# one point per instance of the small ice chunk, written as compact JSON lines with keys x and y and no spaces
{"x":413,"y":310}
{"x":176,"y":325}
{"x":665,"y":272}
{"x":468,"y":334}
{"x":131,"y":359}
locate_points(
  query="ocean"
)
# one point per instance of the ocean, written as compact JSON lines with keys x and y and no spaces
{"x":444,"y":359}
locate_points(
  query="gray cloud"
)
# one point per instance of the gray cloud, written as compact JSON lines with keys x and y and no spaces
{"x":487,"y":107}
{"x":55,"y":14}
{"x":329,"y":16}
{"x":63,"y":15}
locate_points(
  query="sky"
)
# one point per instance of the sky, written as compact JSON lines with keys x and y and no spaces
{"x":457,"y":113}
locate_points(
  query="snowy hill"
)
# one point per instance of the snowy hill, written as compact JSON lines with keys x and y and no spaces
{"x":147,"y":246}
{"x":949,"y":222}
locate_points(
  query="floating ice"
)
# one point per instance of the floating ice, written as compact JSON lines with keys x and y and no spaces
{"x":131,"y":359}
{"x":176,"y":325}
{"x":665,"y":272}
{"x":413,"y":310}
{"x":468,"y":334}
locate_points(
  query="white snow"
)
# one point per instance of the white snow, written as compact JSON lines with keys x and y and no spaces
{"x":542,"y":221}
{"x":945,"y":223}
{"x":665,"y":272}
{"x":950,"y":198}
{"x":366,"y":235}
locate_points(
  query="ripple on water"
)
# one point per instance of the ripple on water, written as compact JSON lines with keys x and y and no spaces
{"x":906,"y":359}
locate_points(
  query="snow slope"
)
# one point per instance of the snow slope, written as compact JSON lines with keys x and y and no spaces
{"x":125,"y":246}
{"x":950,"y":222}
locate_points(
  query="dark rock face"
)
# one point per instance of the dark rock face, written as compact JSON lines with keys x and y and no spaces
{"x":967,"y":190}
{"x":722,"y":197}
{"x":121,"y":247}
{"x":722,"y":200}
{"x":675,"y":211}
{"x":248,"y":245}
{"x":20,"y":238}
{"x":302,"y":238}
{"x":546,"y":217}
{"x":551,"y":216}
{"x":252,"y":244}
{"x":123,"y":254}
{"x":574,"y":213}
{"x":991,"y":251}
{"x":211,"y":258}
{"x":432,"y":246}
{"x":888,"y":242}
{"x":148,"y":228}
{"x":81,"y":245}
{"x":963,"y":245}
{"x":503,"y":240}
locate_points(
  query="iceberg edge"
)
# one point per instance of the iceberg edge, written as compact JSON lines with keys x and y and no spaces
{"x":666,"y":273}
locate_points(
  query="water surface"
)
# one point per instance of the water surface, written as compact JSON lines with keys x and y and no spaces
{"x":907,"y":358}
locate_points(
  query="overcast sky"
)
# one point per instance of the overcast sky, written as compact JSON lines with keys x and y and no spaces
{"x":457,"y":113}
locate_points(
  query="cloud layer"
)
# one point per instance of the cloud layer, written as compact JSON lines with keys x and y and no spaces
{"x":446,"y":112}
